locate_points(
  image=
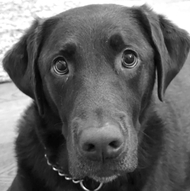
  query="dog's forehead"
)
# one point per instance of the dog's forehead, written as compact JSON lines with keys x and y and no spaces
{"x":93,"y":26}
{"x":95,"y":12}
{"x":97,"y":20}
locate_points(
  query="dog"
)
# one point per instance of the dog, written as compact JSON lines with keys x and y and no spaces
{"x":101,"y":118}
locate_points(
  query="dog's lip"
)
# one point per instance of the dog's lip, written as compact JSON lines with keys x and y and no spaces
{"x":104,"y":176}
{"x":104,"y":179}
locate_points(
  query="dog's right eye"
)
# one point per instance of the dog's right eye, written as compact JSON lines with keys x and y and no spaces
{"x":60,"y":66}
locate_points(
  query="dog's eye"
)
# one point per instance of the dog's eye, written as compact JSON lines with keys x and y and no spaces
{"x":60,"y":66}
{"x":129,"y":59}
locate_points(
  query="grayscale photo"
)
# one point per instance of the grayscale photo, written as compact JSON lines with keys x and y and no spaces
{"x":94,"y":95}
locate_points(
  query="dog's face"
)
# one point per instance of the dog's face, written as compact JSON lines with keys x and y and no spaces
{"x":96,"y":74}
{"x":93,"y":68}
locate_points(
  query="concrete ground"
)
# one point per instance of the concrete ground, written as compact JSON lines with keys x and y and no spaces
{"x":12,"y":104}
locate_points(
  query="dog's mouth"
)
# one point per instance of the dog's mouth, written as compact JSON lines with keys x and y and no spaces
{"x":103,"y":173}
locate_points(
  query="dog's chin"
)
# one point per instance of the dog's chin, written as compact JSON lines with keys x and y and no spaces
{"x":104,"y":179}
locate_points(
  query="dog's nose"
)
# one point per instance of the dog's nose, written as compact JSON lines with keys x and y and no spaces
{"x":102,"y":143}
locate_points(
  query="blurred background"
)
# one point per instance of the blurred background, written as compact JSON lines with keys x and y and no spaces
{"x":15,"y":17}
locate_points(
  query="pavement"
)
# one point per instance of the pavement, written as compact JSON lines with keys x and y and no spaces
{"x":12,"y":104}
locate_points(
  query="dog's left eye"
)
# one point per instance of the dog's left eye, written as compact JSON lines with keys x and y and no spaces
{"x":129,"y":59}
{"x":60,"y":66}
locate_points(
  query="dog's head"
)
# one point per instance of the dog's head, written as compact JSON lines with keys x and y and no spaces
{"x":91,"y":72}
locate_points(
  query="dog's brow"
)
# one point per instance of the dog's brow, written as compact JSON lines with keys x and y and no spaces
{"x":68,"y":48}
{"x":116,"y":41}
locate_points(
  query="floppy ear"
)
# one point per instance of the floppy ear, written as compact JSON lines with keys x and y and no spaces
{"x":21,"y":64}
{"x":170,"y":43}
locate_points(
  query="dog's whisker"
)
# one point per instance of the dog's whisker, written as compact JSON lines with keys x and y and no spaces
{"x":147,"y":135}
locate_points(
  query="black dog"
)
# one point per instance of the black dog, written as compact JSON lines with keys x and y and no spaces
{"x":97,"y":75}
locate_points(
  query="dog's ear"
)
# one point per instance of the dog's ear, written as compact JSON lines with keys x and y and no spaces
{"x":21,"y":64}
{"x":170,"y":43}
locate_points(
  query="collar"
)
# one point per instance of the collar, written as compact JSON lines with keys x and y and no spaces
{"x":70,"y":178}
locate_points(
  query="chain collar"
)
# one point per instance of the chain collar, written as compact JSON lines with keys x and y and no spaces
{"x":67,"y":177}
